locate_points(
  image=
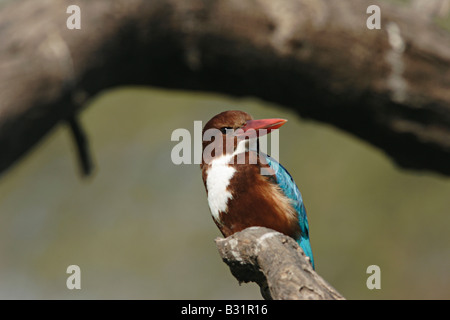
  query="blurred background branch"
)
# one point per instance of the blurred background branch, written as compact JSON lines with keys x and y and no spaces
{"x":389,"y":87}
{"x":276,"y":263}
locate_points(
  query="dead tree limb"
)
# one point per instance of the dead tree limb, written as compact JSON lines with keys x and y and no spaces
{"x":82,"y":148}
{"x":276,"y":263}
{"x":389,"y":87}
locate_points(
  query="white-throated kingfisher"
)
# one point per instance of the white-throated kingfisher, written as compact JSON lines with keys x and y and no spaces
{"x":239,"y":195}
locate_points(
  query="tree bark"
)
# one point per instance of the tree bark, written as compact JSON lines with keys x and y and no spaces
{"x":389,"y":87}
{"x":276,"y":263}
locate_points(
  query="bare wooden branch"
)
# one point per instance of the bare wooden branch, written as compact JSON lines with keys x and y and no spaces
{"x":389,"y":87}
{"x":276,"y":263}
{"x":81,"y":145}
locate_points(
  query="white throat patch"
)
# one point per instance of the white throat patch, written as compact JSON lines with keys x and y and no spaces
{"x":218,"y":180}
{"x":219,"y":176}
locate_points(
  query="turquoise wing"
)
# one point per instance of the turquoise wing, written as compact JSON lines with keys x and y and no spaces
{"x":290,"y":189}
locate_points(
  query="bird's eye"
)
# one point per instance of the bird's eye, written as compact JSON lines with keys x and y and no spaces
{"x":226,"y":130}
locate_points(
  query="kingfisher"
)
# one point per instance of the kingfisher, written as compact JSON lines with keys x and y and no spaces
{"x":246,"y":187}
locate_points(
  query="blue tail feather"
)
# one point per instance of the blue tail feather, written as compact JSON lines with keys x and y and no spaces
{"x":290,"y":189}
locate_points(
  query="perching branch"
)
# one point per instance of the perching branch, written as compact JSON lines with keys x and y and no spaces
{"x":389,"y":87}
{"x":276,"y":263}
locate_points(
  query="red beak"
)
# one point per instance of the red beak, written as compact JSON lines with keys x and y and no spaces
{"x":268,"y":124}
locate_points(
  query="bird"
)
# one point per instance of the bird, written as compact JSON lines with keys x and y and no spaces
{"x":239,"y":193}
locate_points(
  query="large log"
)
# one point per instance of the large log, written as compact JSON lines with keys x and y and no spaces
{"x":389,"y":87}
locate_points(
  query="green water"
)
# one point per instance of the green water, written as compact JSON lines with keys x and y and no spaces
{"x":140,"y":227}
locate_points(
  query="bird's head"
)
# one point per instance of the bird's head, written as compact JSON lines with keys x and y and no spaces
{"x":234,"y":130}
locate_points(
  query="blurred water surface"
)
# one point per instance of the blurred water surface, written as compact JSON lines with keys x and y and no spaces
{"x":140,"y":227}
